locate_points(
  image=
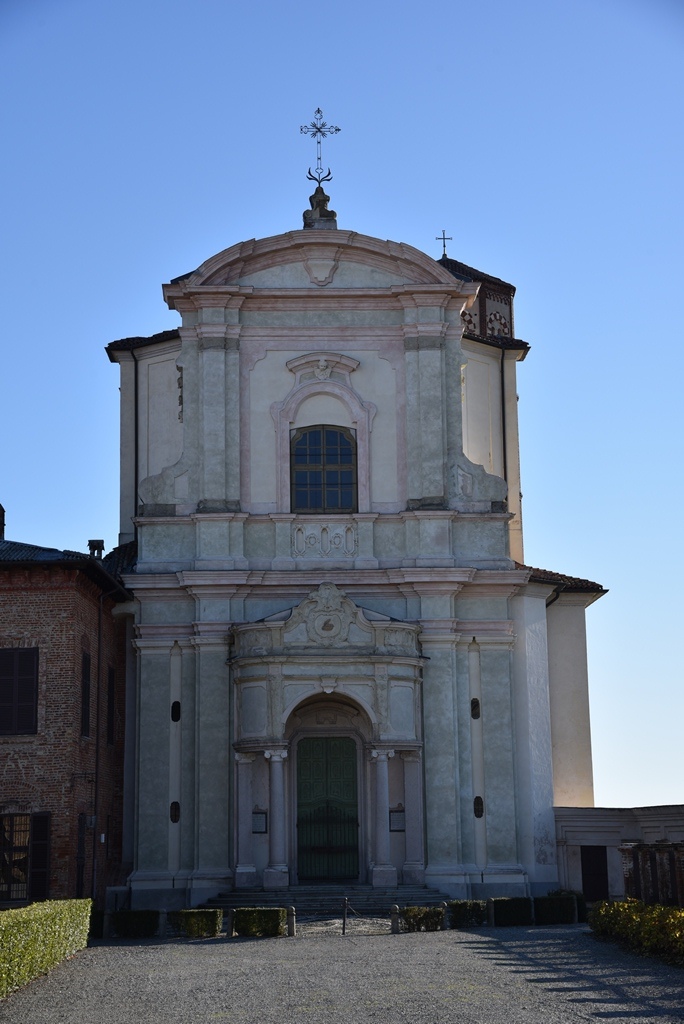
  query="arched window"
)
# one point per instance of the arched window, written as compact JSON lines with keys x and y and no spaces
{"x":323,"y":470}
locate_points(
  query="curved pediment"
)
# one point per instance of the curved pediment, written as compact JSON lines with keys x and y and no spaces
{"x":307,"y":259}
{"x":326,"y":621}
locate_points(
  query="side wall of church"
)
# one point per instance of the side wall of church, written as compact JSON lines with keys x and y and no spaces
{"x":569,"y":701}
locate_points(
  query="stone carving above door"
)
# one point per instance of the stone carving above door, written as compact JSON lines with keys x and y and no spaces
{"x":327,"y":619}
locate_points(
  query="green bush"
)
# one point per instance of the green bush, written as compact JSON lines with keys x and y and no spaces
{"x":651,"y":929}
{"x":511,"y":910}
{"x":467,"y":913}
{"x":260,"y":921}
{"x":35,"y":939}
{"x":579,"y":896}
{"x":135,"y":924}
{"x":423,"y":919}
{"x":196,"y":924}
{"x":554,"y":909}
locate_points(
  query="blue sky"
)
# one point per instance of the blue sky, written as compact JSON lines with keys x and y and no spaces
{"x":142,"y":136}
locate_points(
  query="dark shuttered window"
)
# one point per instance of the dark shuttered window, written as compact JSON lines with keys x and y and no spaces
{"x":18,"y":690}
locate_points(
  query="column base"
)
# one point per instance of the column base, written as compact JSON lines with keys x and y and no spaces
{"x":413,"y":874}
{"x":246,"y":876}
{"x":383,"y":874}
{"x":276,"y":878}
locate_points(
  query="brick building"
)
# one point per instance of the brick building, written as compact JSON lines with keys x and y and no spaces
{"x":61,"y":724}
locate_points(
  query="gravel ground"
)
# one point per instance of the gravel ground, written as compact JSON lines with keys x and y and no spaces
{"x":487,"y":976}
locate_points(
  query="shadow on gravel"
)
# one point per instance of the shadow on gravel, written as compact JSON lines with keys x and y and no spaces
{"x":614,"y":983}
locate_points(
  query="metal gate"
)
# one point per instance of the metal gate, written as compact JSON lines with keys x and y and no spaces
{"x":327,"y":809}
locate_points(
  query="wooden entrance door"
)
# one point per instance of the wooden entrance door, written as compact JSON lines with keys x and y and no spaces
{"x":327,"y":809}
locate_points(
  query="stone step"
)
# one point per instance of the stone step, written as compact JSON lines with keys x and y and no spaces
{"x":327,"y":900}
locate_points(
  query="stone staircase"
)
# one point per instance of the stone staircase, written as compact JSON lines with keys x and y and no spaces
{"x":327,"y":900}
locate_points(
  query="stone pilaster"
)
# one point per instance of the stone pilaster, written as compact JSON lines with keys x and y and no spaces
{"x":499,"y":759}
{"x":442,"y":776}
{"x":413,"y":871}
{"x":213,"y":411}
{"x":175,"y":757}
{"x":477,"y":756}
{"x":212,"y":752}
{"x":245,"y":871}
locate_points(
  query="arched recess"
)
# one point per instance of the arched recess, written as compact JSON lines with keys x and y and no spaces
{"x":328,"y":737}
{"x":358,"y":415}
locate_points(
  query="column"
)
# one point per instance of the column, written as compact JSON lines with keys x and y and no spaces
{"x":245,"y":871}
{"x":276,"y":875}
{"x":413,"y":872}
{"x":384,"y":873}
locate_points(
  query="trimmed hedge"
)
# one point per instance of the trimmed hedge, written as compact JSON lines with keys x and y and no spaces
{"x":260,"y":921}
{"x":579,"y":896}
{"x":555,"y":909}
{"x":35,"y":939}
{"x":196,"y":924}
{"x":467,"y":913}
{"x":651,"y":929}
{"x":135,"y":924}
{"x":510,"y":910}
{"x":422,"y":919}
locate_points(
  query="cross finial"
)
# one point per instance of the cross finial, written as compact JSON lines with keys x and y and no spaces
{"x":319,"y":129}
{"x":443,"y":238}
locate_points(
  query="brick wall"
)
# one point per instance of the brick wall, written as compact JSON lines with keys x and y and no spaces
{"x":56,"y":770}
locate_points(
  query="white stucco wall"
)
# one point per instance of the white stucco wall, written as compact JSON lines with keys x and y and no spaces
{"x":569,"y":702}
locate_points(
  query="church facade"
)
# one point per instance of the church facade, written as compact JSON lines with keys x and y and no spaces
{"x":340,"y":666}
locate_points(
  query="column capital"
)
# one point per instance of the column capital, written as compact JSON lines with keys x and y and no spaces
{"x":276,"y":754}
{"x":244,"y":758}
{"x":382,"y":754}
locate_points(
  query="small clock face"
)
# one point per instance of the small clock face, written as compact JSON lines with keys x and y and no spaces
{"x":498,"y":324}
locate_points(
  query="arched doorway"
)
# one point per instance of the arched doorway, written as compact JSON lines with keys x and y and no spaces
{"x":329,"y":737}
{"x":327,"y":809}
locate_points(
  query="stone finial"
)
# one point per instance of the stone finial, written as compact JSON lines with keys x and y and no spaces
{"x":319,"y":217}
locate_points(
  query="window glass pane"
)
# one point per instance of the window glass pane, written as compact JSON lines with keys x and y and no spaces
{"x":318,"y":489}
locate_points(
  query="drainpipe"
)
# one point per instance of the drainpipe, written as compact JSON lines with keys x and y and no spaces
{"x":556,"y":594}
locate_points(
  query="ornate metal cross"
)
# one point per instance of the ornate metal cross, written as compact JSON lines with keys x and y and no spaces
{"x":319,"y":129}
{"x":443,"y":238}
